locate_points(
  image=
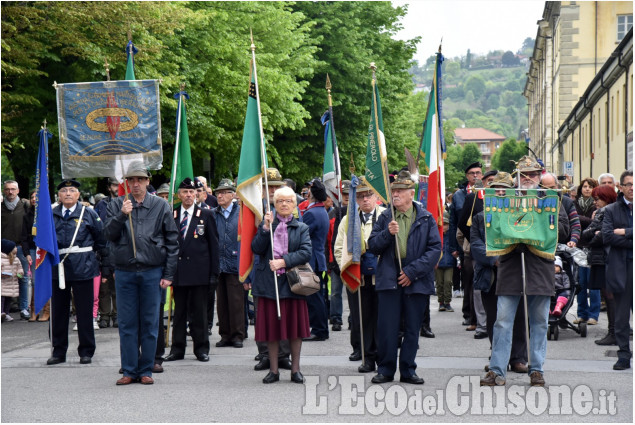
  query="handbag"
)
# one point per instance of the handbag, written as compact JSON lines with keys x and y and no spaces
{"x":302,"y":280}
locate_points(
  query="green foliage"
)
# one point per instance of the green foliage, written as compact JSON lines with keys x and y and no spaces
{"x":510,"y":150}
{"x":476,"y":84}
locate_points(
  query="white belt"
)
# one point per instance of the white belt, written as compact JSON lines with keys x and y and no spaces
{"x":75,"y":249}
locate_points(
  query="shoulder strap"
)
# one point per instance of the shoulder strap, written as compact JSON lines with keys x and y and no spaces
{"x":79,"y":223}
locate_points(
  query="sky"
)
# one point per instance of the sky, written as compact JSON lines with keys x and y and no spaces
{"x":477,"y":25}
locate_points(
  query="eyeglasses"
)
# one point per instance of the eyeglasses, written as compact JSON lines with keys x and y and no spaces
{"x":285,"y":201}
{"x":627,"y":185}
{"x":474,"y":173}
{"x":68,"y":190}
{"x":364,"y":195}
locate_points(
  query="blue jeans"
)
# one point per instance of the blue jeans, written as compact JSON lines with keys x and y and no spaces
{"x":23,"y":300}
{"x":587,"y":309}
{"x":138,"y":299}
{"x":538,"y":310}
{"x":336,"y":297}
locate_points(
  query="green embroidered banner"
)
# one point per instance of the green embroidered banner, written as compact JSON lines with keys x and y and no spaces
{"x":529,"y":217}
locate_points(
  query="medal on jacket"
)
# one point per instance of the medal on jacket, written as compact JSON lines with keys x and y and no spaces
{"x":506,"y":204}
{"x":540,"y":203}
{"x":489,"y":220}
{"x":551,"y":222}
{"x":200,"y":230}
{"x":488,"y":202}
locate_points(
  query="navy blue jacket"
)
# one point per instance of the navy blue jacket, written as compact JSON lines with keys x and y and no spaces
{"x":229,"y":247}
{"x":80,"y":265}
{"x":317,"y":219}
{"x":618,"y":248}
{"x":483,"y":265}
{"x":299,"y":253}
{"x":458,"y":199}
{"x":447,"y":260}
{"x":423,"y":252}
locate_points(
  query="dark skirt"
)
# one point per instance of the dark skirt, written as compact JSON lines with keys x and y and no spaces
{"x":293,"y":323}
{"x":597,"y":277}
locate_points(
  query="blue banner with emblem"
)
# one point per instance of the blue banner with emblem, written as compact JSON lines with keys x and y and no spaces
{"x":103,"y":126}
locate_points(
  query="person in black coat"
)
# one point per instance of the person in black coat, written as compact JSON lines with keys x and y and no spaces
{"x":617,"y":232}
{"x":197,"y":269}
{"x":80,"y":266}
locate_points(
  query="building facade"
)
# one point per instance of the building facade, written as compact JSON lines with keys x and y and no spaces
{"x":487,"y":141}
{"x":574,"y":42}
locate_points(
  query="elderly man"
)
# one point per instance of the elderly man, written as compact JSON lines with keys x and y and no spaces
{"x":210,"y":200}
{"x":145,"y":252}
{"x":164,"y":191}
{"x":201,"y":195}
{"x":403,"y":293}
{"x":79,"y":234}
{"x":369,"y":213}
{"x":617,"y":234}
{"x":196,"y":271}
{"x":230,"y":292}
{"x":13,"y":211}
{"x":473,"y":172}
{"x":540,"y":278}
{"x":607,"y":179}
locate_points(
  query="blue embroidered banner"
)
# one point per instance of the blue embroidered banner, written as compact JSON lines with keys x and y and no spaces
{"x":105,"y":125}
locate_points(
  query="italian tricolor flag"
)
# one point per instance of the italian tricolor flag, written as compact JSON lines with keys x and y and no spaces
{"x":250,"y":174}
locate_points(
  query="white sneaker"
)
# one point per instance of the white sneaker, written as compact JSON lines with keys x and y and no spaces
{"x":8,"y":318}
{"x":456,"y":294}
{"x":95,"y":324}
{"x":75,"y":327}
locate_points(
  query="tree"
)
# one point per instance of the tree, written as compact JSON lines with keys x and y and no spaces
{"x":468,"y":60}
{"x":509,"y":59}
{"x":510,"y":151}
{"x":492,"y":102}
{"x":475,"y":84}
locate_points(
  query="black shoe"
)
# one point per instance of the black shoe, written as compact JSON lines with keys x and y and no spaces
{"x":297,"y":377}
{"x":271,"y":378}
{"x":414,"y":379}
{"x":251,"y":322}
{"x":55,"y":360}
{"x":427,"y":333}
{"x":355,"y":356}
{"x":368,"y":366}
{"x":115,"y":324}
{"x":622,"y":364}
{"x":381,"y":379}
{"x":284,"y":363}
{"x":85,"y":360}
{"x":172,"y":357}
{"x":336,"y":327}
{"x":263,"y":364}
{"x":103,"y":323}
{"x":466,"y":322}
{"x":314,"y":337}
{"x":607,"y":340}
{"x":237,"y":344}
{"x":258,"y":357}
{"x":224,"y":343}
{"x":209,"y":330}
{"x":480,"y":335}
{"x":202,"y":357}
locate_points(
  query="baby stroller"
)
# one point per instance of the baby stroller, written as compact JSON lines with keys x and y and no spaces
{"x":561,"y":322}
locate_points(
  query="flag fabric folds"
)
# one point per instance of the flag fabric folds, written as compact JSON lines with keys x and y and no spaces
{"x":353,"y":247}
{"x":45,"y":239}
{"x":433,"y":150}
{"x":182,"y":164}
{"x":131,"y":50}
{"x":250,"y":173}
{"x":331,"y":176}
{"x":376,"y":150}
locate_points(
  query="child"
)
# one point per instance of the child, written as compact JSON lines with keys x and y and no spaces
{"x":443,"y":272}
{"x":10,"y":274}
{"x":562,"y":288}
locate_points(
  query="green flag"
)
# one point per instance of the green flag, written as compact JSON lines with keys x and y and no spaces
{"x":530,"y":219}
{"x":131,"y":50}
{"x":182,"y":164}
{"x":376,"y":160}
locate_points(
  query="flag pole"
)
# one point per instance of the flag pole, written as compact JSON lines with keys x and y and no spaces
{"x":125,"y":184}
{"x":336,"y":153}
{"x":263,"y":157}
{"x":176,"y":145}
{"x":384,"y":163}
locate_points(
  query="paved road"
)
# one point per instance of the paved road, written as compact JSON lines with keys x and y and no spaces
{"x":579,"y":379}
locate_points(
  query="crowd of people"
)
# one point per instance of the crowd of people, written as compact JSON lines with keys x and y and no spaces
{"x":120,"y":256}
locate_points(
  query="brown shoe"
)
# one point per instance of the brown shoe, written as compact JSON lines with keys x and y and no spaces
{"x":147,"y":380}
{"x":536,"y":379}
{"x":157,"y":368}
{"x":471,"y":328}
{"x":126,"y":380}
{"x":519,"y":367}
{"x":492,"y":379}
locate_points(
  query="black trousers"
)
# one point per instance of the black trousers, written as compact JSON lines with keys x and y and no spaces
{"x":190,"y":301}
{"x":60,"y":305}
{"x":230,"y":303}
{"x":369,"y":318}
{"x":467,"y":278}
{"x":623,"y":308}
{"x":519,"y":339}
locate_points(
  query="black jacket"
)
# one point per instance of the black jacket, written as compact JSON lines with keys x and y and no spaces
{"x":156,"y":236}
{"x":198,"y":252}
{"x":618,"y":248}
{"x":594,"y":241}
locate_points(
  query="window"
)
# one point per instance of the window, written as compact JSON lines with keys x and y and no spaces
{"x":624,"y":24}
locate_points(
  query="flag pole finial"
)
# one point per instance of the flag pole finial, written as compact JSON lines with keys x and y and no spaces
{"x":107,"y":66}
{"x":182,"y":86}
{"x":328,"y":90}
{"x":440,"y":44}
{"x":44,"y":124}
{"x":374,"y":68}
